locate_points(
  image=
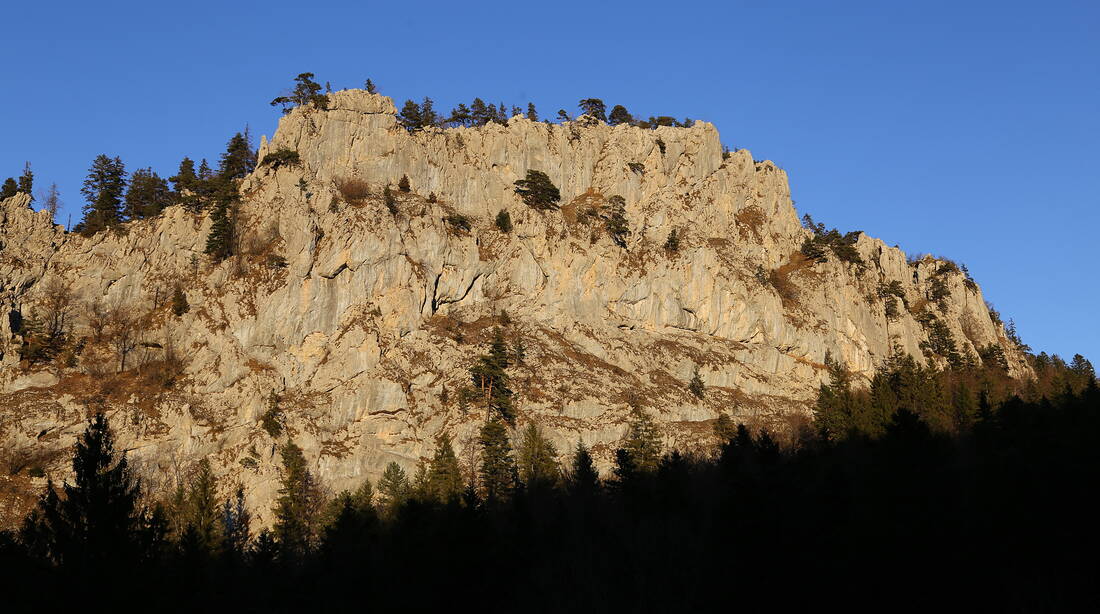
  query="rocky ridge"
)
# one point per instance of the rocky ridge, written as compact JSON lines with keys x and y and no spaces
{"x":353,"y":329}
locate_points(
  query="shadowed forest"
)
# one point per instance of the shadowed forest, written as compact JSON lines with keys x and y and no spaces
{"x":947,"y":489}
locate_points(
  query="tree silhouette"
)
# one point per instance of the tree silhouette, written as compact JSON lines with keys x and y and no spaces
{"x":98,"y":524}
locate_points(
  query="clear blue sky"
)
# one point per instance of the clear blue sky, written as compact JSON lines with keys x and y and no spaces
{"x":966,"y":129}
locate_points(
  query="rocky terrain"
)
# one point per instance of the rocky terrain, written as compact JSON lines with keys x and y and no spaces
{"x":351,"y":329}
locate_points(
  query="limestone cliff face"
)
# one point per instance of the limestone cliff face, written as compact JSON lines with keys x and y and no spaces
{"x":363,"y":324}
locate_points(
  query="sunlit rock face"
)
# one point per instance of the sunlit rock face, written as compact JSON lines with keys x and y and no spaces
{"x":359,"y":325}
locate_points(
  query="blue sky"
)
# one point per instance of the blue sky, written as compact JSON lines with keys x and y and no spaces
{"x":965,"y":129}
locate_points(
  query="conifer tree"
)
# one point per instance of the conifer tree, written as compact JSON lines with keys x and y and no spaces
{"x":428,"y":117}
{"x":532,"y":114}
{"x":617,"y":227}
{"x":306,"y":92}
{"x":724,"y":429}
{"x":219,"y":243}
{"x":460,"y":116}
{"x":297,"y":510}
{"x":504,"y":221}
{"x":583,"y":477}
{"x":410,"y":117}
{"x":538,"y":191}
{"x":147,"y":196}
{"x":10,"y":188}
{"x":594,"y":108}
{"x":205,"y":173}
{"x":180,"y":305}
{"x":393,"y":486}
{"x":99,"y":522}
{"x":370,"y":87}
{"x":642,"y":443}
{"x":490,"y":375}
{"x":498,"y":468}
{"x":444,"y":483}
{"x":26,"y":180}
{"x":480,"y":113}
{"x":202,"y":507}
{"x":537,"y":459}
{"x":696,"y":386}
{"x":619,"y":115}
{"x":236,"y":525}
{"x":403,"y":184}
{"x":103,"y":190}
{"x":238,"y":161}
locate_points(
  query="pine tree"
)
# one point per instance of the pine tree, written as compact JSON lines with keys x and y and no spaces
{"x":504,"y":221}
{"x":594,"y":108}
{"x":619,"y":115}
{"x":724,"y":429}
{"x":583,"y":477}
{"x":532,"y":114}
{"x":202,"y":507}
{"x":393,"y":486}
{"x":371,"y":87}
{"x":180,"y":305}
{"x":643,"y":441}
{"x":238,"y":161}
{"x":236,"y":525}
{"x":428,"y":117}
{"x":352,"y":519}
{"x":538,"y":191}
{"x":103,"y":190}
{"x":297,"y":510}
{"x":460,"y":116}
{"x":306,"y":92}
{"x":403,"y":184}
{"x":219,"y":243}
{"x":410,"y":117}
{"x":444,"y":482}
{"x":99,"y":523}
{"x":490,"y":375}
{"x":26,"y":180}
{"x":537,"y":459}
{"x":148,"y":195}
{"x":498,"y":468}
{"x":11,"y":188}
{"x":479,"y":113}
{"x":696,"y":386}
{"x":617,"y":226}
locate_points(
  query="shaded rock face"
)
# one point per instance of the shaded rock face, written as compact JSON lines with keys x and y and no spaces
{"x":353,"y":328}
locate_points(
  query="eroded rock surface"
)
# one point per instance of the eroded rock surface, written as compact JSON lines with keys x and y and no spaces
{"x":363,"y":324}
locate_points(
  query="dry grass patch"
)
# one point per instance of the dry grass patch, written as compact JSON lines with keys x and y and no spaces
{"x":750,"y":220}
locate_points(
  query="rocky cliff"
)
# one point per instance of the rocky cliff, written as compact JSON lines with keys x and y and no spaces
{"x":353,"y":328}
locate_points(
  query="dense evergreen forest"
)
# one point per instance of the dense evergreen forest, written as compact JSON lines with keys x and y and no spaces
{"x":946,"y":489}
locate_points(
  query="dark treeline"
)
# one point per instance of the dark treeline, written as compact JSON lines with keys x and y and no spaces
{"x":910,"y":510}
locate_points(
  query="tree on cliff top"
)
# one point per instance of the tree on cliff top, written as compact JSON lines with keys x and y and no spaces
{"x":305,"y":92}
{"x":594,"y":108}
{"x":103,"y":189}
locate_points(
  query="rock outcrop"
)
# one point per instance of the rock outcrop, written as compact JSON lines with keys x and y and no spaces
{"x":351,"y":329}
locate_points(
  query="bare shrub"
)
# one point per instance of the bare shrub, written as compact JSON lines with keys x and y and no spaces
{"x":352,"y":189}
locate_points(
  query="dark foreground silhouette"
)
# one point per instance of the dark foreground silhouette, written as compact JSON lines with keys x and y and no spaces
{"x":997,"y":516}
